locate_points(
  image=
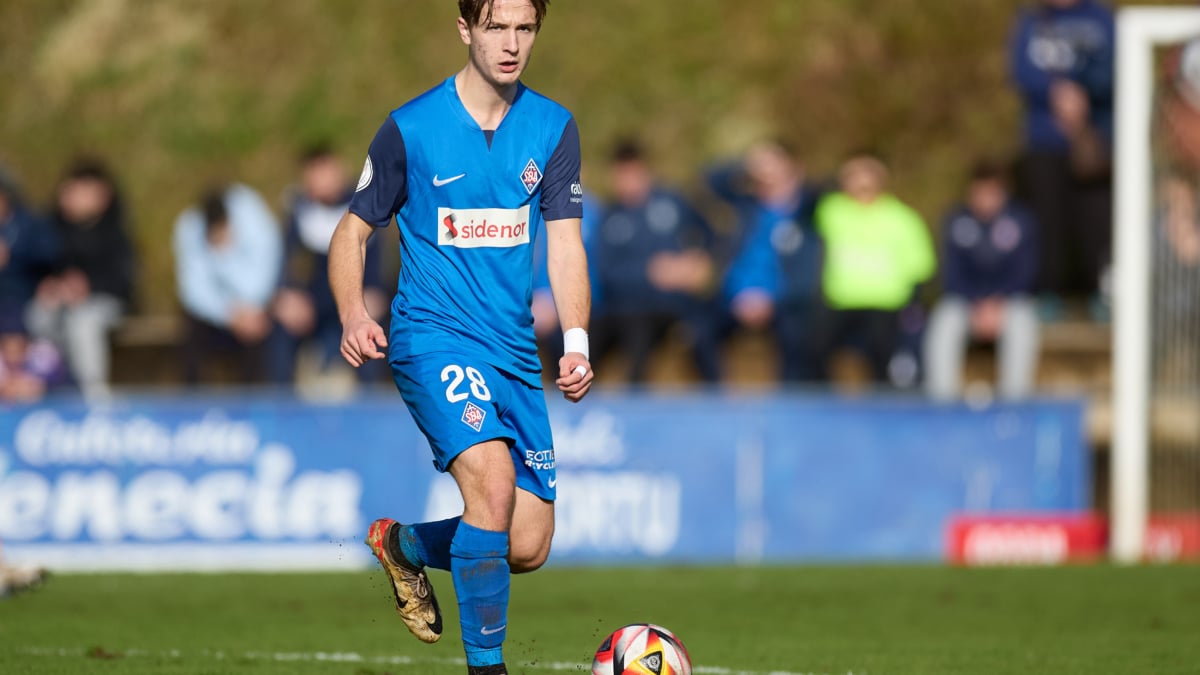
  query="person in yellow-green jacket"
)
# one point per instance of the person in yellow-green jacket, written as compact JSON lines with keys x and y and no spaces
{"x":877,"y":251}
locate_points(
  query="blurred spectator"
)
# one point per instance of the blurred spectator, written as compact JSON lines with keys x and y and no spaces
{"x":1176,"y":261}
{"x":1178,"y":109}
{"x":304,"y":308}
{"x":92,"y":283}
{"x":989,"y":268}
{"x":877,"y":251}
{"x":545,"y":314}
{"x":653,"y":259}
{"x":29,"y":368}
{"x":28,"y":247}
{"x":1176,"y":280}
{"x":775,"y":278}
{"x":1062,"y":63}
{"x":227,"y":259}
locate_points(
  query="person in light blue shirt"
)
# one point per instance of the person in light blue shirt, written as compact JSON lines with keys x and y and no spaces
{"x":227,"y":256}
{"x":471,"y":172}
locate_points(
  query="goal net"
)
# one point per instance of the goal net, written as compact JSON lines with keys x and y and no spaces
{"x":1156,"y":397}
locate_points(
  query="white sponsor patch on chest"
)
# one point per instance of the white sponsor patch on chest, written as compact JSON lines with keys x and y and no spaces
{"x":483,"y":228}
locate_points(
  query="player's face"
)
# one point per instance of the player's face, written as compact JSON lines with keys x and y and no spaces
{"x":500,"y":46}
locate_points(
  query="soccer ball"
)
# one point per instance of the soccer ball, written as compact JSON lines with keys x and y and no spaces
{"x":642,"y":649}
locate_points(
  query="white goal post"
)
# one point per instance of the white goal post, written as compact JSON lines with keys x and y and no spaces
{"x":1140,"y":30}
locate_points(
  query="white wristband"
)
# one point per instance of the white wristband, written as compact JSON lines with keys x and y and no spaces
{"x":575,"y":340}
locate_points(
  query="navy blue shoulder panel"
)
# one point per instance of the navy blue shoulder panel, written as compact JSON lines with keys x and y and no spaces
{"x":562,"y":194}
{"x":383,"y":187}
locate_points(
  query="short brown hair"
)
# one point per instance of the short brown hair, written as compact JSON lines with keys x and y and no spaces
{"x":476,"y":12}
{"x":990,"y":171}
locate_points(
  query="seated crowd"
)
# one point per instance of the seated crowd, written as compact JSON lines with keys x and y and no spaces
{"x":818,"y":266}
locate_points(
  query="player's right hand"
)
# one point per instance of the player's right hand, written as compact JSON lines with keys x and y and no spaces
{"x":363,"y":340}
{"x":574,"y":377}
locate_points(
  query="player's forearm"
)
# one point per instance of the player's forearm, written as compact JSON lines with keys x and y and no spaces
{"x":567,"y":267}
{"x":347,"y":258}
{"x":572,"y":297}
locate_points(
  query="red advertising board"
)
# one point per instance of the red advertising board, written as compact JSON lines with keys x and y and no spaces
{"x":1055,"y":539}
{"x":1172,"y":537}
{"x":1021,"y":539}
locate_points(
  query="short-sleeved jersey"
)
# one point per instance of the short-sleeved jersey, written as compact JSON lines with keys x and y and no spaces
{"x":469,"y":203}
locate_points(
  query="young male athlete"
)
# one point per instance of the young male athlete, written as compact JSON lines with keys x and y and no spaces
{"x":471,"y":171}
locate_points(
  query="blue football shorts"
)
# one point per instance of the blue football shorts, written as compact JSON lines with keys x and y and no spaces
{"x":459,"y":401}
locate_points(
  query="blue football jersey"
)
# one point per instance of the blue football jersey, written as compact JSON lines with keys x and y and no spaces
{"x":469,"y":203}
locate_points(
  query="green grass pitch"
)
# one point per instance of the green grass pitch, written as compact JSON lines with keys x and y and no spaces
{"x":758,"y":621}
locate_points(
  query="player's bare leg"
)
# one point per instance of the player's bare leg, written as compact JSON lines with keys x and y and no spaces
{"x":530,"y":534}
{"x":416,"y":602}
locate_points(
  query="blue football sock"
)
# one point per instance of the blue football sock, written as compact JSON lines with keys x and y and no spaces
{"x":428,"y":544}
{"x":479,"y":566}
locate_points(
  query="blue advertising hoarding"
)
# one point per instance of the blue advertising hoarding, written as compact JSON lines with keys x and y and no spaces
{"x":270,"y":483}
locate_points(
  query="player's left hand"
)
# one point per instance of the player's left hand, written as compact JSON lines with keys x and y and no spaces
{"x":574,"y":377}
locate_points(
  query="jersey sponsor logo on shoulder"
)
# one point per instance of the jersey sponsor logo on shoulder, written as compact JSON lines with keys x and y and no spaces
{"x":483,"y":228}
{"x":531,"y":176}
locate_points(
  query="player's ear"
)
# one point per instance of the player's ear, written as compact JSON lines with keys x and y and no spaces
{"x":464,"y":31}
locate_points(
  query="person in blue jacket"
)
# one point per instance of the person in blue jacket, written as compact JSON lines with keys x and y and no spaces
{"x":29,"y":247}
{"x":1061,"y":56}
{"x":303,"y":308}
{"x":653,"y":259}
{"x":772,"y":277}
{"x":989,"y":265}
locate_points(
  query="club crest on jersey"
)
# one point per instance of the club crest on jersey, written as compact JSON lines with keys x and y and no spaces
{"x":531,"y":176}
{"x":473,"y":416}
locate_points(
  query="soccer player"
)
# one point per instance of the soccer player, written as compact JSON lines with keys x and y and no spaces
{"x":471,"y":171}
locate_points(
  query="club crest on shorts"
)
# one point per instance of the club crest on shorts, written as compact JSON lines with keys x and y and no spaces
{"x":531,"y":176}
{"x":473,"y":416}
